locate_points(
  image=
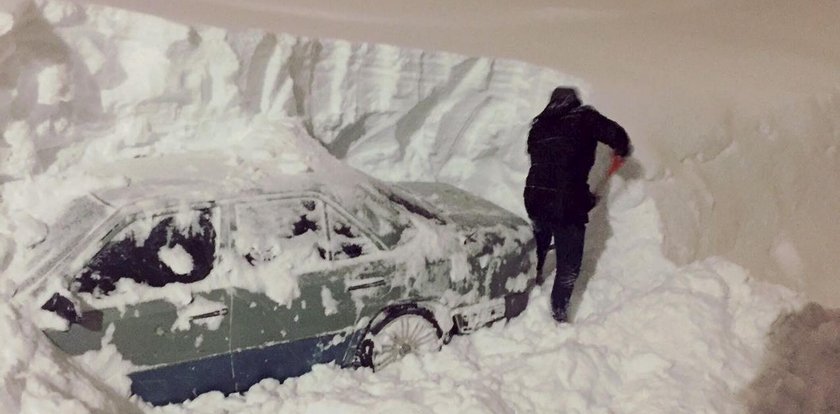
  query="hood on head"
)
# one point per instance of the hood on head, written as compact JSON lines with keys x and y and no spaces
{"x":562,"y":100}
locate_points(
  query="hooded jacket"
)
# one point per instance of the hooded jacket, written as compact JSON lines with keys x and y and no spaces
{"x":561,"y":144}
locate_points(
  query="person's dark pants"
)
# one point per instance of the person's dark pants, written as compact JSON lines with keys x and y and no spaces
{"x":568,"y":248}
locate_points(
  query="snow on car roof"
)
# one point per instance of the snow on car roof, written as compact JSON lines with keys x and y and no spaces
{"x":186,"y":177}
{"x":195,"y":177}
{"x":174,"y":178}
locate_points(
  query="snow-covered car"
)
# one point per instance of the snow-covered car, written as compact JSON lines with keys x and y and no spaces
{"x":209,"y":275}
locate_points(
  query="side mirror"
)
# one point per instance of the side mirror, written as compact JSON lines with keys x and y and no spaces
{"x":65,"y":308}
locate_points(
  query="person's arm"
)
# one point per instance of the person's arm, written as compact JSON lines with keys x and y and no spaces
{"x":612,"y":134}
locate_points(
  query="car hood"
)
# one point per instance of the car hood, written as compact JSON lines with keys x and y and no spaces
{"x":461,"y":207}
{"x":489,"y":233}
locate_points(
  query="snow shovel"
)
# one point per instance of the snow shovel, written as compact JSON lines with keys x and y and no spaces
{"x":615,"y":164}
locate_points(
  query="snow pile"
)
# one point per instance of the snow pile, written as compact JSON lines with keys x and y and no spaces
{"x":648,"y":337}
{"x":329,"y":302}
{"x":92,"y":84}
{"x":732,"y":104}
{"x":36,"y":378}
{"x":177,"y":259}
{"x":117,"y":89}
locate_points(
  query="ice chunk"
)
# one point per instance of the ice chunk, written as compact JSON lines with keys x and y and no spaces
{"x":177,"y":259}
{"x":10,"y":11}
{"x":23,"y":158}
{"x":330,"y":304}
{"x":518,"y":283}
{"x":110,"y":363}
{"x":788,"y":259}
{"x":460,"y":267}
{"x":53,"y":85}
{"x":200,"y":306}
{"x":6,"y":23}
{"x":59,"y":12}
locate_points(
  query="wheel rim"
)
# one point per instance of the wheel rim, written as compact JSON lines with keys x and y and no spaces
{"x":407,"y":334}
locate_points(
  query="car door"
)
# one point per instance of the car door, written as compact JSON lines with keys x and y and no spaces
{"x":366,"y":277}
{"x":179,"y":350}
{"x":281,"y":328}
{"x":363,"y":276}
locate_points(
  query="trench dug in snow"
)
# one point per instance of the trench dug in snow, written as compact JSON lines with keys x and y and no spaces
{"x":83,"y":85}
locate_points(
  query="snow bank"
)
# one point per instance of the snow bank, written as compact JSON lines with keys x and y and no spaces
{"x":732,"y":105}
{"x":37,"y":378}
{"x":93,"y":84}
{"x":759,"y":189}
{"x":398,"y":113}
{"x":648,"y":336}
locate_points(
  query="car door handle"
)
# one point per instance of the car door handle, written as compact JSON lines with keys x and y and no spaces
{"x":220,"y":312}
{"x":366,"y":283}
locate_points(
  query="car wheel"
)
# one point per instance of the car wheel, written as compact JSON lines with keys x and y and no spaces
{"x":399,"y":335}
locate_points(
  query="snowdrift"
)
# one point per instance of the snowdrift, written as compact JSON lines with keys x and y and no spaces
{"x":80,"y":85}
{"x":732,"y":105}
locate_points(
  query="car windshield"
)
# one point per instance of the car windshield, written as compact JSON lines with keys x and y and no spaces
{"x":82,"y":216}
{"x":383,"y":209}
{"x":373,"y":206}
{"x":411,"y":203}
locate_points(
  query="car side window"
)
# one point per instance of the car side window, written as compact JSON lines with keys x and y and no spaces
{"x":380,"y":215}
{"x":346,"y":241}
{"x":155,"y":250}
{"x":287,"y":229}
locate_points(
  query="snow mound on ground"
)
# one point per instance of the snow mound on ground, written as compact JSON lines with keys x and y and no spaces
{"x":37,"y":378}
{"x":648,"y":337}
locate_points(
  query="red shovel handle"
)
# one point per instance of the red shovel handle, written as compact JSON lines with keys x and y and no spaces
{"x":617,"y":162}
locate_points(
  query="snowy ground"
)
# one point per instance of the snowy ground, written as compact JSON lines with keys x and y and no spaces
{"x":81,"y":85}
{"x":647,"y":337}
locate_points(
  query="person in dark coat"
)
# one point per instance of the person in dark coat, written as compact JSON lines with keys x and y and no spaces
{"x":561,"y":144}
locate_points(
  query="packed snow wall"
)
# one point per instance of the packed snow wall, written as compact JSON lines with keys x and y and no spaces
{"x":86,"y":84}
{"x":71,"y":85}
{"x":760,"y":190}
{"x":753,"y":186}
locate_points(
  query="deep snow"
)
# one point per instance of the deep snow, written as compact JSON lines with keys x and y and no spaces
{"x":89,"y":84}
{"x":732,"y":104}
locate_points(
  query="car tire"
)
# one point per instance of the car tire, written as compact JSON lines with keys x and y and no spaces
{"x":403,"y":331}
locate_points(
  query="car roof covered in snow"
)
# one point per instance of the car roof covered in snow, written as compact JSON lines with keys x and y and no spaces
{"x":204,"y":177}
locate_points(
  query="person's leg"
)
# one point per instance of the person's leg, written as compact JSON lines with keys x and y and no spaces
{"x":542,"y":235}
{"x":568,"y":245}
